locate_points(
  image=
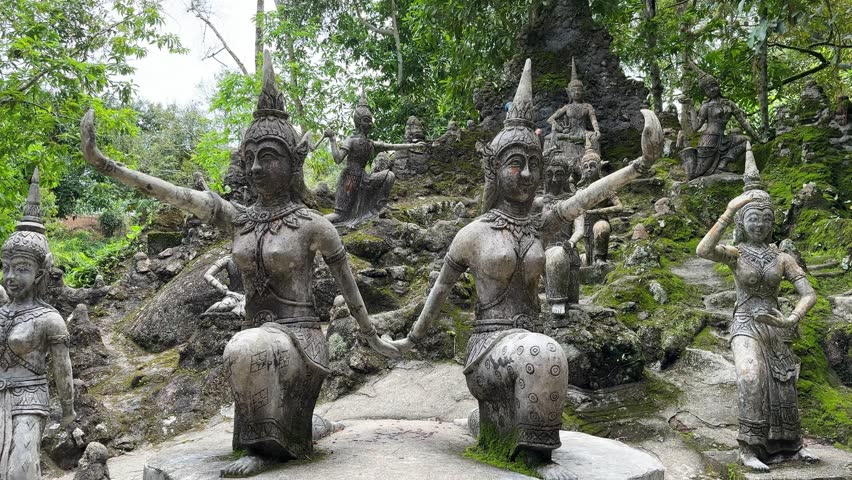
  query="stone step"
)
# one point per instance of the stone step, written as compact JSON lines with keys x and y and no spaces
{"x":834,"y":464}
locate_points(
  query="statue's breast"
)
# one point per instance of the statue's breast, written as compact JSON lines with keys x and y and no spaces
{"x":498,"y":262}
{"x":286,"y":256}
{"x":360,"y":151}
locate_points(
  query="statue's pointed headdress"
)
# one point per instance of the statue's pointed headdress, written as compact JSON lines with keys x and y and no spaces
{"x":704,"y":78}
{"x":271,"y":121}
{"x":752,"y":184}
{"x":517,"y":132}
{"x":363,"y":108}
{"x":575,"y":79}
{"x":28,"y":238}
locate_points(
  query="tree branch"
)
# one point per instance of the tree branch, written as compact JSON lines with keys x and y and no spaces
{"x":373,"y":28}
{"x":822,"y":65}
{"x":201,"y":16}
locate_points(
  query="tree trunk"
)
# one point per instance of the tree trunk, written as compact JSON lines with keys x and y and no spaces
{"x":653,"y":66}
{"x":762,"y":85}
{"x":258,"y":37}
{"x":687,"y":108}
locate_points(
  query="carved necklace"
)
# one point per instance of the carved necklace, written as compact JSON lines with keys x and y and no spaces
{"x":262,"y":221}
{"x":761,"y":258}
{"x":519,"y":227}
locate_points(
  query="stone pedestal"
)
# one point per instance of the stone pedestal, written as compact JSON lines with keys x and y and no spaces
{"x":409,"y":449}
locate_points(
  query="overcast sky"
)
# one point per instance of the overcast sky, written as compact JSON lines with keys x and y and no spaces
{"x":167,"y":78}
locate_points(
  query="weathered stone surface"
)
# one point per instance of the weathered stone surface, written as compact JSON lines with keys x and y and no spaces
{"x":838,"y":350}
{"x":170,"y":317}
{"x":601,"y":351}
{"x":834,"y":464}
{"x":414,"y":450}
{"x":64,"y":298}
{"x":87,"y":346}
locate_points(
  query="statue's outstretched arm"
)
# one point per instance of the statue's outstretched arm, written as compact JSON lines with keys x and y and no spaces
{"x":594,"y":119}
{"x":210,"y":274}
{"x":383,"y":147}
{"x":709,"y":247}
{"x":58,"y":341}
{"x":201,"y":204}
{"x":600,"y":190}
{"x":743,"y":121}
{"x":556,"y":115}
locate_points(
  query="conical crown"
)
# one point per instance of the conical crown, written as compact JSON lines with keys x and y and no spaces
{"x":521,"y":111}
{"x":28,"y":238}
{"x":271,"y":119}
{"x":363,"y":108}
{"x":751,"y":175}
{"x":575,"y":79}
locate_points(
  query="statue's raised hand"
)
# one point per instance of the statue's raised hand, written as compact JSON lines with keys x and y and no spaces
{"x":736,"y":204}
{"x":403,"y":345}
{"x":652,"y":141}
{"x":87,"y":142}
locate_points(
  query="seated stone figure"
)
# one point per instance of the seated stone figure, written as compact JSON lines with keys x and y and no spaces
{"x":715,"y":148}
{"x":767,"y":369}
{"x":573,"y":125}
{"x":276,"y":369}
{"x":30,"y":332}
{"x":519,"y":377}
{"x":562,"y":262}
{"x":360,"y":195}
{"x":234,"y":300}
{"x":596,"y":220}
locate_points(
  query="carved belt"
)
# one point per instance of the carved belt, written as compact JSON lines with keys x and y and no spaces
{"x":8,"y":383}
{"x":485,"y":325}
{"x":298,"y":322}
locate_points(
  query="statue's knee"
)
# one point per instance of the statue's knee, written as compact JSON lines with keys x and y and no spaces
{"x":602,"y":229}
{"x":749,"y":371}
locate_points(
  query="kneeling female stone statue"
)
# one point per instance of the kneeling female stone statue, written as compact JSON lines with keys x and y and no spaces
{"x":275,"y":369}
{"x":519,"y":377}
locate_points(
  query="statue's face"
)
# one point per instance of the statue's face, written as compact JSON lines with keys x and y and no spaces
{"x":365,"y":124}
{"x":554,"y":179}
{"x":520,"y":173}
{"x":712,"y":90}
{"x":20,"y":274}
{"x":590,"y":171}
{"x":757,"y":224}
{"x":576,"y":93}
{"x":268,"y":165}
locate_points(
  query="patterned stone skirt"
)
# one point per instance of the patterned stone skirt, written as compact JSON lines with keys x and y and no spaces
{"x":275,"y":372}
{"x":520,"y":380}
{"x":769,"y":414}
{"x":23,"y":411}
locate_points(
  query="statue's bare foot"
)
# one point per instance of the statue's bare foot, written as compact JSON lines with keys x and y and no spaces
{"x":554,"y":471}
{"x":750,"y":460}
{"x":246,"y":466}
{"x":807,"y":456}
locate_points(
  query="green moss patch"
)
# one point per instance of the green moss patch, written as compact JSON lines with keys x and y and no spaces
{"x":498,"y":450}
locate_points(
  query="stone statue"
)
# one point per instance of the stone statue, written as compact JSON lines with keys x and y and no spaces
{"x":30,"y":330}
{"x":360,"y":195}
{"x":275,"y":370}
{"x":452,"y":135}
{"x":841,"y":113}
{"x":767,"y":368}
{"x":519,"y":377}
{"x":234,"y":300}
{"x":93,"y":464}
{"x":596,"y":220}
{"x":715,"y":148}
{"x":562,"y":262}
{"x":573,"y":124}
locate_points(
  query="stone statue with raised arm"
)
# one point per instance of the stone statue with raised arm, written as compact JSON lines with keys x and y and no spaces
{"x":596,"y":220}
{"x":233,"y":300}
{"x":519,"y":377}
{"x":767,"y":369}
{"x":573,"y":125}
{"x":360,"y":195}
{"x":276,"y":369}
{"x":30,"y":331}
{"x":715,"y":148}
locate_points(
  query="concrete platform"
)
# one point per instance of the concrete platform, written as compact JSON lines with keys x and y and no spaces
{"x":398,"y":449}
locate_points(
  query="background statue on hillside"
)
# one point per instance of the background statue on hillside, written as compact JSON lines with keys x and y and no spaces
{"x":360,"y":195}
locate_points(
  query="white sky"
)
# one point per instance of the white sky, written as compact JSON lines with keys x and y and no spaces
{"x":168,"y":78}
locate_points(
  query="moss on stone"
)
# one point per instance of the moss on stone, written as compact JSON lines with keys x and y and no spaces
{"x":499,"y":450}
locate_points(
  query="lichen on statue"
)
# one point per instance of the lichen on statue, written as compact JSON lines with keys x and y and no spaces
{"x":518,"y":376}
{"x":767,"y":369}
{"x":30,"y":331}
{"x":276,"y":368}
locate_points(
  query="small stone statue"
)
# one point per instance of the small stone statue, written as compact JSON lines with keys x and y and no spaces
{"x":452,"y":135}
{"x":276,"y":369}
{"x":596,"y":220}
{"x":414,"y":132}
{"x":841,"y":114}
{"x":562,"y":262}
{"x":573,"y":124}
{"x":715,"y":148}
{"x":30,"y":330}
{"x":360,"y":195}
{"x":93,"y":464}
{"x":767,"y":368}
{"x":519,"y":377}
{"x":234,"y":300}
